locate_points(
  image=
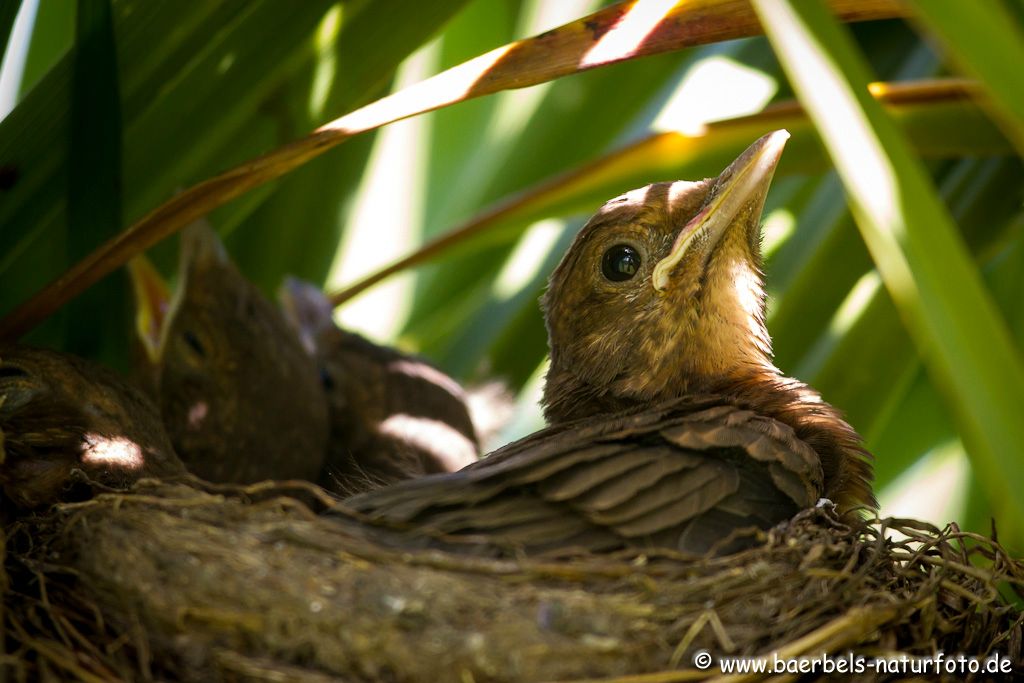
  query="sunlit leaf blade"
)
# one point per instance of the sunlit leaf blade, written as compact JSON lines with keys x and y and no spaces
{"x":622,"y":31}
{"x":864,"y":339}
{"x":913,"y":242}
{"x":938,"y":115}
{"x":987,"y":42}
{"x":898,"y":446}
{"x":474,"y":155}
{"x":272,"y":242}
{"x":459,"y":134}
{"x":94,"y":175}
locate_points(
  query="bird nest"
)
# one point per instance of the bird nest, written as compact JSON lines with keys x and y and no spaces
{"x":195,"y":582}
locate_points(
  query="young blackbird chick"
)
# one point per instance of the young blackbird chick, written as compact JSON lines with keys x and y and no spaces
{"x":671,"y":427}
{"x":392,"y":416}
{"x":60,"y":413}
{"x":240,"y":397}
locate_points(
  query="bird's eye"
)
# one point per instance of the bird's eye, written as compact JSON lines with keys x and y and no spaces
{"x":193,"y":342}
{"x":12,"y":371}
{"x":620,"y":263}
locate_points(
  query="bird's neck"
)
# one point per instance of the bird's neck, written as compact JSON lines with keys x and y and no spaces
{"x":567,"y":396}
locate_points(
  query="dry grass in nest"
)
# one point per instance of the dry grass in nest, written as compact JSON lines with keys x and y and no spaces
{"x":203,"y":583}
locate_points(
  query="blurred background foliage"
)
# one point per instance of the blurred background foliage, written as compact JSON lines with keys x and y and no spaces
{"x":170,"y":93}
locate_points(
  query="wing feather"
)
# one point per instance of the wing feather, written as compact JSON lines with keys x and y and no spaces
{"x":610,"y":483}
{"x":682,"y":476}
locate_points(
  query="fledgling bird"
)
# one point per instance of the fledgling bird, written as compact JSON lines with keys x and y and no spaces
{"x":392,"y":416}
{"x":240,"y":397}
{"x":60,"y":413}
{"x":670,"y":425}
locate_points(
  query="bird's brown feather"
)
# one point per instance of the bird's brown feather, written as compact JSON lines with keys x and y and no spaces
{"x":59,"y":414}
{"x":621,"y":480}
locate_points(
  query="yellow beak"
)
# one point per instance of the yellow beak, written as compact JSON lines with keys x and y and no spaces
{"x":152,"y":304}
{"x":743,"y":183}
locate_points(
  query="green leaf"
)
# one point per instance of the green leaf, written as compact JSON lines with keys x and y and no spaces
{"x":916,"y":425}
{"x":986,"y":40}
{"x":94,"y":177}
{"x":914,"y":244}
{"x":921,"y":422}
{"x":463,"y":141}
{"x":53,"y":34}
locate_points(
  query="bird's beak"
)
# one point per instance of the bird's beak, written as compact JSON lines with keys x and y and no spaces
{"x":152,"y":305}
{"x":200,"y":247}
{"x":307,"y":309}
{"x":741,"y":187}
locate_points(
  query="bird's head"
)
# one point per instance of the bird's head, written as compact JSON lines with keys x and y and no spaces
{"x":661,"y":293}
{"x":229,"y":373}
{"x":194,"y":337}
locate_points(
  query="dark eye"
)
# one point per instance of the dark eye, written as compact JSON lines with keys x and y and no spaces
{"x":620,"y":263}
{"x":193,"y":342}
{"x":12,"y":371}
